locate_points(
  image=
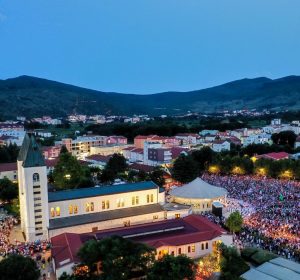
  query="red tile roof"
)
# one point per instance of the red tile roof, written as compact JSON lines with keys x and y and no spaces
{"x":274,"y":156}
{"x":12,"y":166}
{"x":141,"y":167}
{"x":176,"y":232}
{"x":64,"y":248}
{"x":100,"y":158}
{"x":51,"y":162}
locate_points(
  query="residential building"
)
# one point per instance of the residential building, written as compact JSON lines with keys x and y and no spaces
{"x":220,"y":145}
{"x":194,"y":236}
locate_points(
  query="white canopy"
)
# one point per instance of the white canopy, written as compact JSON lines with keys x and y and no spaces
{"x":198,"y":189}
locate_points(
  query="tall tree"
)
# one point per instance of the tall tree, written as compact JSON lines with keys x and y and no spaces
{"x":235,"y":221}
{"x":17,"y":267}
{"x":8,"y":190}
{"x":157,"y":176}
{"x":68,"y":173}
{"x":232,"y":264}
{"x":173,"y":268}
{"x":117,"y":258}
{"x":185,"y":169}
{"x":203,"y":157}
{"x":117,"y":163}
{"x":284,"y":138}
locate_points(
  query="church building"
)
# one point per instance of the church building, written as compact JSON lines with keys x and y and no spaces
{"x":46,"y":214}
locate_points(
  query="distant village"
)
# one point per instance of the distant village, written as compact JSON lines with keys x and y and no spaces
{"x":146,"y":151}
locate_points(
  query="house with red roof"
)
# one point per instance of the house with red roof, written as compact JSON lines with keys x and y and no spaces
{"x":274,"y":156}
{"x":193,"y":235}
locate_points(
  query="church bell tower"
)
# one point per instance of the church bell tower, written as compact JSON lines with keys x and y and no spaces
{"x":33,"y":190}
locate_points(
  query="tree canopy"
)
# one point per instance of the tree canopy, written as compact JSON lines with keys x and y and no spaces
{"x":117,"y":258}
{"x":69,"y":173}
{"x":17,"y":267}
{"x":8,"y":190}
{"x":9,"y":153}
{"x":114,"y":167}
{"x":235,"y":221}
{"x":173,"y":268}
{"x":232,"y":264}
{"x":185,"y":169}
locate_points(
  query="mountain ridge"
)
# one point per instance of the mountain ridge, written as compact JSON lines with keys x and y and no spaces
{"x":33,"y":97}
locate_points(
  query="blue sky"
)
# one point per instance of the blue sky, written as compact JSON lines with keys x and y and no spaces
{"x":147,"y":46}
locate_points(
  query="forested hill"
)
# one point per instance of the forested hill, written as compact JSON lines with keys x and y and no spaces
{"x":32,"y":97}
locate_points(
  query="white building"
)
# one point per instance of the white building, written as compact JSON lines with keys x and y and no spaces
{"x":44,"y":215}
{"x":220,"y":145}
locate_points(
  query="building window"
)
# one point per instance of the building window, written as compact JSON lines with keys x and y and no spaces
{"x":120,"y":202}
{"x":155,"y":217}
{"x":57,"y":211}
{"x":38,"y":223}
{"x":202,"y":246}
{"x":89,"y":207}
{"x":172,"y":253}
{"x":189,"y":249}
{"x":36,"y":177}
{"x":135,"y":200}
{"x":39,"y":216}
{"x":179,"y":251}
{"x":193,"y":248}
{"x":206,"y":245}
{"x":38,"y":192}
{"x":94,"y":228}
{"x":150,"y":198}
{"x":36,"y":187}
{"x":70,"y":209}
{"x":105,"y":204}
{"x":52,"y":212}
{"x":127,"y":224}
{"x":177,"y":216}
{"x":75,"y":209}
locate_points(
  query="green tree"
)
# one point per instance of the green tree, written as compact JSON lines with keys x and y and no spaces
{"x":17,"y":267}
{"x":117,"y":163}
{"x":232,"y":265}
{"x":173,"y":268}
{"x":107,"y":176}
{"x":117,"y":258}
{"x":8,"y":190}
{"x":284,"y":138}
{"x":68,"y":173}
{"x":157,"y":176}
{"x":185,"y":169}
{"x":234,"y":222}
{"x":203,"y":157}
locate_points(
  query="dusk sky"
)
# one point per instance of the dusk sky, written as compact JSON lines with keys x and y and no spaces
{"x":149,"y":46}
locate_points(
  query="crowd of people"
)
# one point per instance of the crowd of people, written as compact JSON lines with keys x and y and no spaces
{"x":8,"y":246}
{"x":270,"y":208}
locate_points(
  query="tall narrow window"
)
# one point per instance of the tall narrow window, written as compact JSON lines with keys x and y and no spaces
{"x":92,"y":206}
{"x":70,"y":209}
{"x":151,"y":198}
{"x":120,"y":202}
{"x":36,"y":177}
{"x":75,"y":209}
{"x":57,"y":211}
{"x":193,"y":248}
{"x":52,"y":212}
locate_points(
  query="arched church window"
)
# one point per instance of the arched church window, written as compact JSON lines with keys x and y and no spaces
{"x":52,"y":212}
{"x":36,"y":177}
{"x":57,"y":211}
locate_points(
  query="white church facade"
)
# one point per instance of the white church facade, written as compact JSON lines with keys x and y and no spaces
{"x":46,"y":214}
